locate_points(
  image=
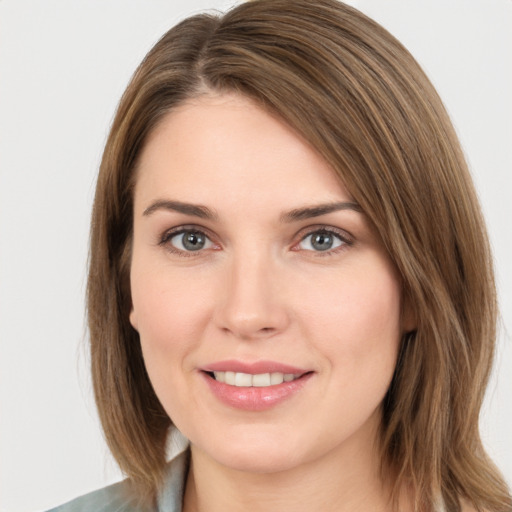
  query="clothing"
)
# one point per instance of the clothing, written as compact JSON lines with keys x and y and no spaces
{"x":117,"y":497}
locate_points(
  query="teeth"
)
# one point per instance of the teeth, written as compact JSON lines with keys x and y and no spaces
{"x":246,"y":380}
{"x":276,"y":378}
{"x":261,"y":380}
{"x":243,"y":380}
{"x":220,"y":376}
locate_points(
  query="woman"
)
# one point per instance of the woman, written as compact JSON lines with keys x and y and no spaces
{"x":288,"y":264}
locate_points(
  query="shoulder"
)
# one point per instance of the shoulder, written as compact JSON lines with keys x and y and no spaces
{"x":114,"y":498}
{"x":120,"y":497}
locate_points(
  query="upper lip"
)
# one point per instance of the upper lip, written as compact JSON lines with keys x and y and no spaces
{"x":253,"y":368}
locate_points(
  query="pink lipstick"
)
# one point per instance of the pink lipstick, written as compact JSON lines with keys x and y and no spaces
{"x":254,"y":386}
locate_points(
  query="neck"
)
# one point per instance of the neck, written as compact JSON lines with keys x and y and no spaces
{"x":344,"y":479}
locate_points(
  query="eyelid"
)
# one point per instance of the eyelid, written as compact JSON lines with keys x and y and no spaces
{"x":344,"y":236}
{"x":168,"y":234}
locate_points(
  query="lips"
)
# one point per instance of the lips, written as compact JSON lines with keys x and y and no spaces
{"x":253,"y":368}
{"x":254,"y":386}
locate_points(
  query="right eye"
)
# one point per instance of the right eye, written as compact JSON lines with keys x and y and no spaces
{"x":188,"y":240}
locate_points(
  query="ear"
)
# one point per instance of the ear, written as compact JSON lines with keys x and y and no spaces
{"x":133,"y":319}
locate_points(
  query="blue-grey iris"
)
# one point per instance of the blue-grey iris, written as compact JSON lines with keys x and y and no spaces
{"x":322,"y":241}
{"x":193,"y":240}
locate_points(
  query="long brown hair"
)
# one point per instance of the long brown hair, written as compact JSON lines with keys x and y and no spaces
{"x":357,"y":95}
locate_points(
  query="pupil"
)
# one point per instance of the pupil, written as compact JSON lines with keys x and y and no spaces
{"x":322,"y":241}
{"x":193,"y":241}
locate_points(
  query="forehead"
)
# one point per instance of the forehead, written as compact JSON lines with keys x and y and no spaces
{"x":227,"y":142}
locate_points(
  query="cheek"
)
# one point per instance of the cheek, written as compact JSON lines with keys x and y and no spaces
{"x":358,"y":334}
{"x":169,"y":316}
{"x":167,"y":312}
{"x":356,"y":318}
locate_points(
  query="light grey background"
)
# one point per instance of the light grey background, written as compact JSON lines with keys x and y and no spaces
{"x":63,"y":67}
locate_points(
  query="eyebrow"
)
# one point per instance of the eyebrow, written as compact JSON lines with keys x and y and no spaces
{"x":309,"y":212}
{"x":195,"y":210}
{"x":203,"y":212}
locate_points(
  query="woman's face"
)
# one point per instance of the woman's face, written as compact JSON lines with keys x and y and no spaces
{"x":267,"y":308}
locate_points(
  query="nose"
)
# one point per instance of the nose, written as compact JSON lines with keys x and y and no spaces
{"x":252,"y":305}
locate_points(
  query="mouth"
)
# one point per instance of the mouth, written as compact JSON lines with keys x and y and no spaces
{"x":258,"y":380}
{"x":255,"y":386}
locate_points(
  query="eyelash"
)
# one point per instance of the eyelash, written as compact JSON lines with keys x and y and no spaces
{"x":170,"y":234}
{"x":345,"y":239}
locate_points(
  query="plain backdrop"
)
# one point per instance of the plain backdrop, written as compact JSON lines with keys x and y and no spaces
{"x":63,"y":67}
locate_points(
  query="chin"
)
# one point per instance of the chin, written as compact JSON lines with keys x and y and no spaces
{"x":254,"y":453}
{"x":257,"y":463}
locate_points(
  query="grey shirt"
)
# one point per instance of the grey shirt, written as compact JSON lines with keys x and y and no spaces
{"x":117,"y":497}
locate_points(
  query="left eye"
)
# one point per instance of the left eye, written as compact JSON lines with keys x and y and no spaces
{"x":190,"y":240}
{"x":321,"y":241}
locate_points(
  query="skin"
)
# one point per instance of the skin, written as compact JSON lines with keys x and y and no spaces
{"x":260,"y":291}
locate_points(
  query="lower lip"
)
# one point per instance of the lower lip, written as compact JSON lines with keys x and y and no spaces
{"x":255,"y":398}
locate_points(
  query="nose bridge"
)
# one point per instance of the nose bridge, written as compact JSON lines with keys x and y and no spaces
{"x":252,"y":305}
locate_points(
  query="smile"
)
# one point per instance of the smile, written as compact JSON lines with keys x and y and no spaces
{"x":259,"y":380}
{"x":254,"y":386}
